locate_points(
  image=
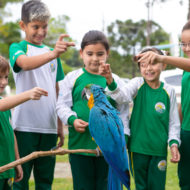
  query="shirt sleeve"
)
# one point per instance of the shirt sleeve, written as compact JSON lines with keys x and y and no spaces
{"x":174,"y":121}
{"x":65,"y":102}
{"x":60,"y":73}
{"x":124,"y":92}
{"x":15,"y":51}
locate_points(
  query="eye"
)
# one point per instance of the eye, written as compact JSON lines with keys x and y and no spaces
{"x":143,"y":65}
{"x":45,"y":27}
{"x":100,"y":54}
{"x":89,"y":53}
{"x":35,"y":27}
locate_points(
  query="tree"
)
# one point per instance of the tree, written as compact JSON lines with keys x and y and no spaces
{"x":4,"y":2}
{"x":128,"y":37}
{"x":9,"y":33}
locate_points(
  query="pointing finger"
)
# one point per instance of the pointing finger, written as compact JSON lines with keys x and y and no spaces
{"x":70,"y":44}
{"x":43,"y":92}
{"x":62,"y":36}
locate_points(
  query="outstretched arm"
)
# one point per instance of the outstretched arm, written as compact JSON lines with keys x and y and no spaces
{"x":32,"y":62}
{"x":12,"y":101}
{"x":151,"y":57}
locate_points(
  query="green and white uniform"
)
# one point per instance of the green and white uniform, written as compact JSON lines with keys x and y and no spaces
{"x":70,"y":106}
{"x":154,"y":123}
{"x":6,"y":145}
{"x":35,"y":116}
{"x":36,"y":119}
{"x":184,"y":163}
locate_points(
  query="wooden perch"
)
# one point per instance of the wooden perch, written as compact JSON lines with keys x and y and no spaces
{"x":38,"y":154}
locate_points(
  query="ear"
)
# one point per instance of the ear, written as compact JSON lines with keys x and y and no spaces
{"x":81,"y":56}
{"x":22,"y":25}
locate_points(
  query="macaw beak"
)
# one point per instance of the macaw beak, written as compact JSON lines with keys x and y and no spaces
{"x":86,"y":92}
{"x":83,"y":94}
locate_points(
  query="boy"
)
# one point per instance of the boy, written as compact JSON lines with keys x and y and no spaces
{"x":8,"y":146}
{"x":154,"y":123}
{"x":34,"y":64}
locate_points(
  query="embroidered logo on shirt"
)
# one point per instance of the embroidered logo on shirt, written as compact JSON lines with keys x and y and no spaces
{"x":162,"y":165}
{"x":52,"y":66}
{"x":160,"y":107}
{"x":10,"y":182}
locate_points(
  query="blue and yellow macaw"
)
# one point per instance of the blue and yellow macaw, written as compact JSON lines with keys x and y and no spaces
{"x":108,"y":132}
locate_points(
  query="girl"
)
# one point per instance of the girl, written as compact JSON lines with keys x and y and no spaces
{"x":88,"y":171}
{"x":154,"y":124}
{"x":183,"y":63}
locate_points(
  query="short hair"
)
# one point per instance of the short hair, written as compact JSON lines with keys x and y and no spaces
{"x":186,"y":26}
{"x":4,"y":65}
{"x":34,"y":10}
{"x":154,"y":49}
{"x":94,"y":37}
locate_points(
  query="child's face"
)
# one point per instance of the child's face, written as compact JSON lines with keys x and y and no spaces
{"x":151,"y":72}
{"x":3,"y":80}
{"x":185,"y":39}
{"x":35,"y":31}
{"x":91,"y":56}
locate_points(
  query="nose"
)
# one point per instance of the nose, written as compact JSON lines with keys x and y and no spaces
{"x":95,"y":58}
{"x":149,"y":67}
{"x":41,"y":31}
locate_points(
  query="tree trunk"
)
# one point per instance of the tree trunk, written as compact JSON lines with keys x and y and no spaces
{"x":188,"y":14}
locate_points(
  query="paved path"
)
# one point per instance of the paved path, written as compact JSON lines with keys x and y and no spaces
{"x":62,"y":170}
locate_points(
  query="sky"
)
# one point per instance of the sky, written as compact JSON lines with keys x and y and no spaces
{"x":86,"y":15}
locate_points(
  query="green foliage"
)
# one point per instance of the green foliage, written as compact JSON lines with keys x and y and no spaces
{"x":66,"y":68}
{"x":11,"y":80}
{"x":74,"y":61}
{"x":126,"y":39}
{"x":9,"y":33}
{"x":4,"y":2}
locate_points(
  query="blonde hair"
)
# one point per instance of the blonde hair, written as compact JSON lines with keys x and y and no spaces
{"x":34,"y":10}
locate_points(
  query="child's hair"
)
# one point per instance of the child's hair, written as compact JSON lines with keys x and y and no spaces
{"x":94,"y":37}
{"x":186,"y":26}
{"x":156,"y":50}
{"x":4,"y":65}
{"x":34,"y":10}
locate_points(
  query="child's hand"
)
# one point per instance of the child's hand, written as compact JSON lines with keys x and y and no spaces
{"x":105,"y":71}
{"x":175,"y":155}
{"x":19,"y":173}
{"x":148,"y":57}
{"x":36,"y":93}
{"x":80,"y":125}
{"x":60,"y":134}
{"x":61,"y":45}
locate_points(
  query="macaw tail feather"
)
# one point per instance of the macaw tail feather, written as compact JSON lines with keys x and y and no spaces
{"x":114,"y":182}
{"x":124,"y":176}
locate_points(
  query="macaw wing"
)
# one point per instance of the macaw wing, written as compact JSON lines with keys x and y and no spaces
{"x":107,"y":130}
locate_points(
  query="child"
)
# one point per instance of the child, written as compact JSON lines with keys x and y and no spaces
{"x":88,"y":171}
{"x":154,"y":124}
{"x":34,"y":64}
{"x":8,"y":146}
{"x":183,"y":63}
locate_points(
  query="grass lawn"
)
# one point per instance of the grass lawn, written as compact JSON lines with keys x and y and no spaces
{"x":66,"y":184}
